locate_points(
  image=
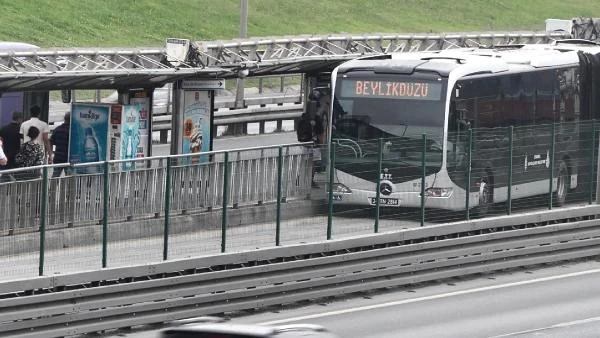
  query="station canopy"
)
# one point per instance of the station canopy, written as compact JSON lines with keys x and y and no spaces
{"x":93,"y":69}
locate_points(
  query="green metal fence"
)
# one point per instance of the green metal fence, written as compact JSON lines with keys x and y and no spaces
{"x":517,"y":168}
{"x":123,"y":212}
{"x":119,"y":213}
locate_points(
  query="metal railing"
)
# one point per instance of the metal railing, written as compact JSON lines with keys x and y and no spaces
{"x":283,"y":103}
{"x":116,"y":191}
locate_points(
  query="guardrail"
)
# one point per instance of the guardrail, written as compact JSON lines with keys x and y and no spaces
{"x":285,"y":103}
{"x":65,"y":305}
{"x":236,"y":120}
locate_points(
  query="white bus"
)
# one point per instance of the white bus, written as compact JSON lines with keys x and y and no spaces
{"x":464,"y":101}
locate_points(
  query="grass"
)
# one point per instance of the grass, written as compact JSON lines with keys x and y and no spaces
{"x":147,"y":23}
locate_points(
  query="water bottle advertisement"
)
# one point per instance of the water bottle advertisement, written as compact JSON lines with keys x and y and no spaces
{"x":125,"y":135}
{"x":89,"y":134}
{"x":141,"y":100}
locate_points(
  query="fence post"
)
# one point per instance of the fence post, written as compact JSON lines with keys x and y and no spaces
{"x":593,"y":162}
{"x":105,"y":216}
{"x":43,"y":218}
{"x":167,"y":210}
{"x":597,"y":172}
{"x":468,"y":183}
{"x":279,"y":183}
{"x":510,"y":167}
{"x":330,"y":196}
{"x":225,"y":201}
{"x":377,"y":192}
{"x":424,"y":173}
{"x":552,"y":148}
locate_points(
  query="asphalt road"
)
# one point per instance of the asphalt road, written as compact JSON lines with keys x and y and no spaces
{"x":556,"y":301}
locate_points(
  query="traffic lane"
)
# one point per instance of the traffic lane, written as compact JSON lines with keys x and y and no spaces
{"x":519,"y":307}
{"x":356,"y":315}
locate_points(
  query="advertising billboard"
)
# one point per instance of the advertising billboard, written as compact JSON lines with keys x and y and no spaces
{"x":140,"y":99}
{"x":89,"y":134}
{"x":196,"y":121}
{"x":125,"y":135}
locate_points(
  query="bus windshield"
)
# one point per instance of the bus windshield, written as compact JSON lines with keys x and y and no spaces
{"x":369,"y":106}
{"x":396,"y":108}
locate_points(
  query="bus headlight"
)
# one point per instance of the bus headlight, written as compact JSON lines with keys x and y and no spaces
{"x":438,"y":192}
{"x":340,"y":188}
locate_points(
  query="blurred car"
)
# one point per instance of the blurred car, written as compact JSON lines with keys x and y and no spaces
{"x":230,"y":330}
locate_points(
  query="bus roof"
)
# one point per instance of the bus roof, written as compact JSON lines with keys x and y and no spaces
{"x":470,"y":60}
{"x":577,"y":45}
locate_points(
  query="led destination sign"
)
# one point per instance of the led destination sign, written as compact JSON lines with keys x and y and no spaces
{"x":413,"y":90}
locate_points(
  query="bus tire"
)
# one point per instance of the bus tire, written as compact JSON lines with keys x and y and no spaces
{"x":560,"y":195}
{"x":486,"y":195}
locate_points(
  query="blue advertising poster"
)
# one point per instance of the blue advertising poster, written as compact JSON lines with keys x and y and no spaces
{"x":130,"y":139}
{"x":196,"y":122}
{"x":89,"y":134}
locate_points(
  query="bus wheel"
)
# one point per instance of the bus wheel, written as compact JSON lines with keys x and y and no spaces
{"x":560,"y":195}
{"x":486,"y":198}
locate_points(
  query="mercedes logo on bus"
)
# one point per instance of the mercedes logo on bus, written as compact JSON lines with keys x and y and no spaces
{"x":386,"y":188}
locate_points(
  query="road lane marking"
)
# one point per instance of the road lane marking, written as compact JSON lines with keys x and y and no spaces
{"x":432,"y":297}
{"x":555,"y":326}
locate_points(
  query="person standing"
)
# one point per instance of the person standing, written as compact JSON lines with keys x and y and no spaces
{"x":42,"y":127}
{"x":60,"y":142}
{"x":11,"y":139}
{"x":30,"y":155}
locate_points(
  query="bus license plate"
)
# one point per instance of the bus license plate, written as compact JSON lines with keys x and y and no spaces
{"x":385,"y":201}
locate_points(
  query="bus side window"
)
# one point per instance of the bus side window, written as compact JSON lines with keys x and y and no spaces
{"x":544,"y":107}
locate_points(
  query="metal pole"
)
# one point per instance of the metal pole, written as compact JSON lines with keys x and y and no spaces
{"x":239,"y":93}
{"x":330,"y":197}
{"x":43,"y":218}
{"x":167,"y":210}
{"x":279,"y":181}
{"x":597,"y":171}
{"x":551,"y":166}
{"x":225,"y":201}
{"x":243,"y":19}
{"x":592,"y":162}
{"x":377,"y":192}
{"x":510,"y":168}
{"x":424,"y":173}
{"x":468,"y":183}
{"x":105,"y":216}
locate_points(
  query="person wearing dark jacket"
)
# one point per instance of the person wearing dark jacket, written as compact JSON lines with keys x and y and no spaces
{"x":60,"y":141}
{"x":11,"y":142}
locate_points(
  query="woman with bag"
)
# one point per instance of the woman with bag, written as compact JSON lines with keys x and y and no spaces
{"x":31,"y":154}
